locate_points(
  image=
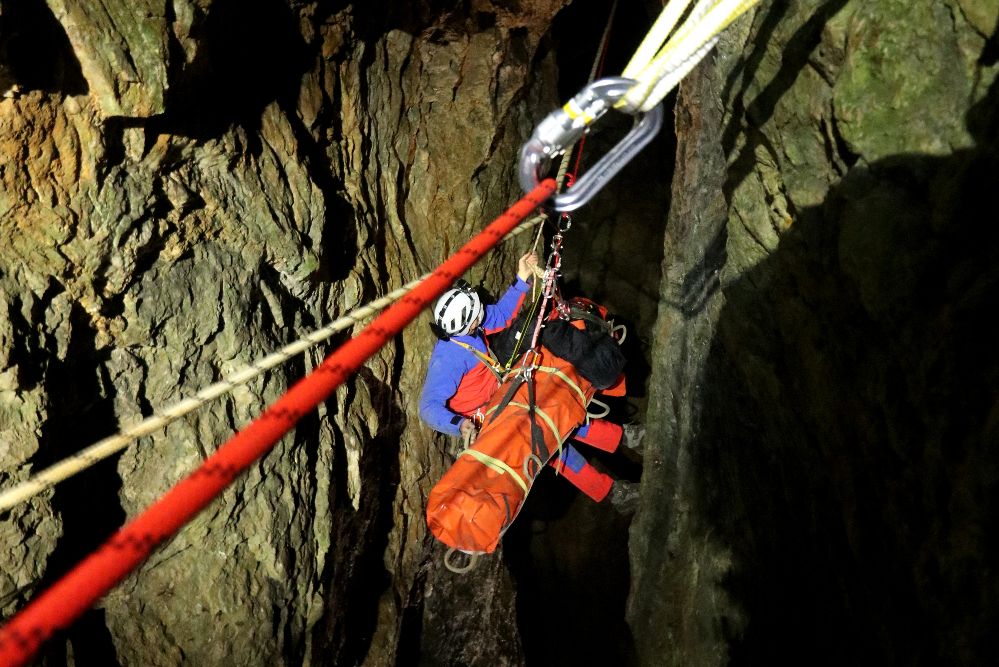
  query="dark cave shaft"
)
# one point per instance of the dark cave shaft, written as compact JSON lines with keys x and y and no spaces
{"x":810,"y":345}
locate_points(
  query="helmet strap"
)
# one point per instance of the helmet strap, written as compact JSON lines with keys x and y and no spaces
{"x":439,"y":331}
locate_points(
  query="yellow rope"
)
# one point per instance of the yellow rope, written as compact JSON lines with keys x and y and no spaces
{"x":666,"y":55}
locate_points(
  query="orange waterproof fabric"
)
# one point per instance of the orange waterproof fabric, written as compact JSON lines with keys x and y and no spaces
{"x":473,"y":503}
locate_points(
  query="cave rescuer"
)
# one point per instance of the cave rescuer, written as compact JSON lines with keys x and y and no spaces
{"x":463,"y":374}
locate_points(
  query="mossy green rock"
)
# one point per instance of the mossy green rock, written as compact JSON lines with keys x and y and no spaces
{"x":123,"y":52}
{"x":905,"y":83}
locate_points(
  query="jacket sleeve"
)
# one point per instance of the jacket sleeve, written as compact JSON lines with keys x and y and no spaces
{"x":443,"y":376}
{"x":501,"y":314}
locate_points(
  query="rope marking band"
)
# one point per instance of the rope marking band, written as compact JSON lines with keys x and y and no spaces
{"x":75,"y":592}
{"x":113,"y":444}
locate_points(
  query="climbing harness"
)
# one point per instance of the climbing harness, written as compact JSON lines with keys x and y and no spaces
{"x":486,"y":358}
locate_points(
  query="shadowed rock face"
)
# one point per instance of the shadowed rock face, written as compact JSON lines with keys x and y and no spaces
{"x":822,"y":415}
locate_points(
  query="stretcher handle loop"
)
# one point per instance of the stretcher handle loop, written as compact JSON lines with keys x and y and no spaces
{"x":536,"y":460}
{"x":619,"y":332}
{"x":604,"y":410}
{"x":460,"y":569}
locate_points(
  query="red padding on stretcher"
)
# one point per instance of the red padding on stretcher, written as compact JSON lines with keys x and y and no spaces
{"x":602,"y":434}
{"x":589,"y":480}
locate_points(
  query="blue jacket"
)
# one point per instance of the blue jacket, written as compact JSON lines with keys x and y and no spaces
{"x":450,"y":363}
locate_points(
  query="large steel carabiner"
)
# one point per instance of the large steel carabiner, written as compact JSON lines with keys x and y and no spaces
{"x":563,"y":127}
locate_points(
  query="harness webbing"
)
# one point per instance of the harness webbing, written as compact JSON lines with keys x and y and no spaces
{"x":565,"y":378}
{"x":559,"y":438}
{"x":544,"y":415}
{"x":537,"y":437}
{"x":490,"y":362}
{"x":507,"y":397}
{"x":76,"y":591}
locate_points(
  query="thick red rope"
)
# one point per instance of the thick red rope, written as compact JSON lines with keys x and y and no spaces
{"x":78,"y":590}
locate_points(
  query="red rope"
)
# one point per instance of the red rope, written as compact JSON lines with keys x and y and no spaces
{"x":598,"y":72}
{"x":78,"y":590}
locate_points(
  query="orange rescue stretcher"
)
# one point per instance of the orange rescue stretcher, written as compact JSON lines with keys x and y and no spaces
{"x":480,"y":496}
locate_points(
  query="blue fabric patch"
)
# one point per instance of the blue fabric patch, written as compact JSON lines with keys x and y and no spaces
{"x":572,"y":459}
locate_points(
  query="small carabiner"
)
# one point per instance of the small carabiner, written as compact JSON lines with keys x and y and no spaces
{"x":563,"y":127}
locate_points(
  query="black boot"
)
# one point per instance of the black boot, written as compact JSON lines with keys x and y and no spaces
{"x":623,"y":496}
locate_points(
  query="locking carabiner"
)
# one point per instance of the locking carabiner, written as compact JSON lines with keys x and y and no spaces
{"x":563,"y":127}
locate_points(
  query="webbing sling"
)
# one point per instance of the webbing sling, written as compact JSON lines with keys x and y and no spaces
{"x":537,"y":437}
{"x":490,"y":362}
{"x":507,"y":397}
{"x":546,"y":419}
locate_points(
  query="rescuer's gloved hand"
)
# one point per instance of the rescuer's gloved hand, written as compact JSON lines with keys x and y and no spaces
{"x":527,"y":265}
{"x":468,"y":431}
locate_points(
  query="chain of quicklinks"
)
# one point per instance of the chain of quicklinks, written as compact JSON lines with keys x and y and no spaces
{"x":553,"y":270}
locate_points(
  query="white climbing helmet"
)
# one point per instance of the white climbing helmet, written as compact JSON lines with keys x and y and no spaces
{"x":457,"y":309}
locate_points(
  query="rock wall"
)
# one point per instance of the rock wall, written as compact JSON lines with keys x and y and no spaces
{"x":822,"y":418}
{"x":186,"y":186}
